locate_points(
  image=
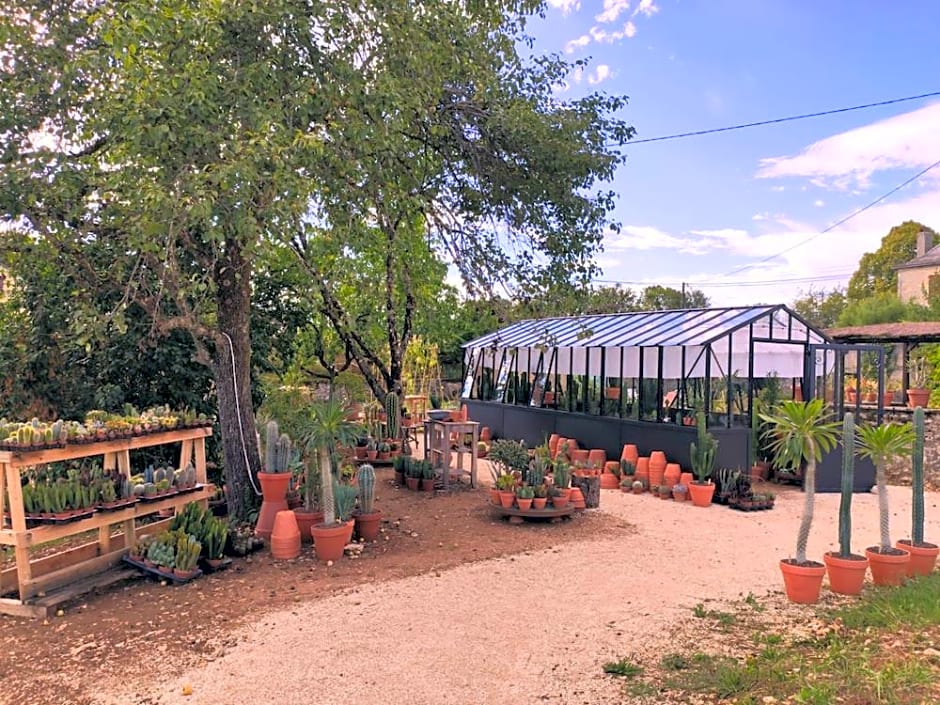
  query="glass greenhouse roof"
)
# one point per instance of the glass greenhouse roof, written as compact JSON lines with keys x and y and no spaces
{"x":689,"y":327}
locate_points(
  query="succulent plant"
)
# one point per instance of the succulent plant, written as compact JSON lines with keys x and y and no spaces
{"x":366,"y":479}
{"x":344,"y":497}
{"x":393,"y":414}
{"x":188,"y":550}
{"x":107,"y":491}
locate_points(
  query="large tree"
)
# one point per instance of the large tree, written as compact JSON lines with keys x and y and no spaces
{"x":876,"y":274}
{"x":183,"y":137}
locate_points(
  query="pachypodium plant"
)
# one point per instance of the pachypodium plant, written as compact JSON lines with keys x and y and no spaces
{"x":882,"y":444}
{"x":326,"y":428}
{"x":917,"y":480}
{"x":365,"y":477}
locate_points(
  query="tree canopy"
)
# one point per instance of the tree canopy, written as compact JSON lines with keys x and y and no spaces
{"x":875,"y":274}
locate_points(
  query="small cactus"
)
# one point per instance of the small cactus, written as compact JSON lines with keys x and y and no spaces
{"x":366,"y":479}
{"x":917,"y":479}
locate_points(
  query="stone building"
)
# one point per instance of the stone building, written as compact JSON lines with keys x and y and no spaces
{"x":919,"y":279}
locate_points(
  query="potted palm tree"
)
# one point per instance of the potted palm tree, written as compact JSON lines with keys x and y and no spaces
{"x":923,"y":553}
{"x":326,"y":428}
{"x":883,"y":444}
{"x":800,"y":432}
{"x":846,"y":569}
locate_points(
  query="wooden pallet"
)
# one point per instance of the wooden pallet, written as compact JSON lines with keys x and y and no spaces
{"x":43,"y":607}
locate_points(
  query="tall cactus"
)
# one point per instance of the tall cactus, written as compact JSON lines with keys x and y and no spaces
{"x":270,"y":446}
{"x":366,"y":479}
{"x":703,"y":450}
{"x":282,"y":462}
{"x":848,"y":480}
{"x":917,"y":478}
{"x":393,"y":414}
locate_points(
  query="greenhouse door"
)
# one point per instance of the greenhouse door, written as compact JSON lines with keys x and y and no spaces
{"x":848,"y":377}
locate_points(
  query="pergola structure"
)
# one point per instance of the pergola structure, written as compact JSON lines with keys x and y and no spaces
{"x":644,"y":377}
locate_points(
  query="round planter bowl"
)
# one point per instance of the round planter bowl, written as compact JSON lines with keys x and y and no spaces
{"x":888,"y":568}
{"x":802,"y":582}
{"x":846,"y":575}
{"x":923,"y":557}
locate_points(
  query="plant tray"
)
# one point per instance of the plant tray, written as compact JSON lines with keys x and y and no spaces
{"x":113,"y":507}
{"x":206,"y":568}
{"x":186,"y":490}
{"x":163,"y":575}
{"x":158,"y":497}
{"x":750,"y":508}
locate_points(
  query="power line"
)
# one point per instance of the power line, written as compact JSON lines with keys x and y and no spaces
{"x":844,"y":220}
{"x":776,"y":121}
{"x":705,"y":285}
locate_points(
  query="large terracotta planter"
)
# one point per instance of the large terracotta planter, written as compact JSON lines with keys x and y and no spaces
{"x":918,"y":397}
{"x":413,"y":483}
{"x":329,"y":540}
{"x":285,"y":536}
{"x":802,"y":582}
{"x":553,"y":441}
{"x":923,"y":557}
{"x":643,"y":470}
{"x":427,"y":484}
{"x":597,"y":458}
{"x":686,"y":478}
{"x":888,"y":568}
{"x":630,"y":453}
{"x":578,"y":455}
{"x":367,"y":525}
{"x":304,"y":521}
{"x":701,"y":494}
{"x":577,"y":499}
{"x":672,"y":474}
{"x":609,"y":481}
{"x":657,"y":467}
{"x":846,"y":575}
{"x":274,"y":488}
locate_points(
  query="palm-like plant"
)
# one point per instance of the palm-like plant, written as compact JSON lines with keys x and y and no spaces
{"x":324,"y":429}
{"x":798,"y":432}
{"x":883,"y":444}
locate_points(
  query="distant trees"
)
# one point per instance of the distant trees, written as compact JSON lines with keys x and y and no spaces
{"x":875,"y":274}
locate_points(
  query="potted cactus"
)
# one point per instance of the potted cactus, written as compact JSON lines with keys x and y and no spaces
{"x":188,"y":550}
{"x":367,"y":516}
{"x":274,"y":477}
{"x":846,"y":569}
{"x":703,"y":451}
{"x":524,"y":497}
{"x":882,"y":444}
{"x":923,"y":553}
{"x":799,"y":432}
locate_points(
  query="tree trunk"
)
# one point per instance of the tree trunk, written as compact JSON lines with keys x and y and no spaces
{"x":591,"y":489}
{"x":233,"y":382}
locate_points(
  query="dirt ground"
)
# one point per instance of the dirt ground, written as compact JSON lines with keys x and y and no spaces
{"x":113,"y":635}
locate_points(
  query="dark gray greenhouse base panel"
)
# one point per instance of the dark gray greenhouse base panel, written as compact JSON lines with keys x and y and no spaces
{"x":534,"y":425}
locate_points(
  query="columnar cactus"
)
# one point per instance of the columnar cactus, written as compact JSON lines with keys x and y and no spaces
{"x":848,"y":479}
{"x":282,"y":461}
{"x":270,"y":446}
{"x":703,"y":450}
{"x":366,"y":479}
{"x":393,"y":414}
{"x":917,"y":478}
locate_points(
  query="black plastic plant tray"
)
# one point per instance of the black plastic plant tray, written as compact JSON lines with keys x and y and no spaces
{"x":163,"y":575}
{"x":157,"y":497}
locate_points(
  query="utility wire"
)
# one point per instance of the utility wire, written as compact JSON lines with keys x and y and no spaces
{"x":844,"y":220}
{"x":706,"y":285}
{"x":776,"y":121}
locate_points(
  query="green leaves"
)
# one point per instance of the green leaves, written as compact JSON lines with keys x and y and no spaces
{"x":800,"y":431}
{"x":885,"y":442}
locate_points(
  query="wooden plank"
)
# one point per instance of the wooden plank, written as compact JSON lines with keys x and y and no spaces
{"x":65,"y":594}
{"x":16,"y":608}
{"x":59,"y":578}
{"x":200,"y":448}
{"x":50,"y":532}
{"x":72,"y":452}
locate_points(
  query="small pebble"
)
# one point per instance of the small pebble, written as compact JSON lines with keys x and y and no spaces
{"x":187,"y":689}
{"x":329,"y":564}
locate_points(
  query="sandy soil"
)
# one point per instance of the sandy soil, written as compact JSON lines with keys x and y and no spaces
{"x":529,"y":628}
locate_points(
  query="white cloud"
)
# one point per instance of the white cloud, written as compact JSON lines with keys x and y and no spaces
{"x":646,"y":7}
{"x":778,"y":188}
{"x":578,"y":43}
{"x":629,"y":30}
{"x":819,"y":203}
{"x":566,"y":6}
{"x":612,"y":10}
{"x":848,"y":160}
{"x":600,"y":73}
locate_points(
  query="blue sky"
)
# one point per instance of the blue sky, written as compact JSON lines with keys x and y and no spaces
{"x":695,"y":209}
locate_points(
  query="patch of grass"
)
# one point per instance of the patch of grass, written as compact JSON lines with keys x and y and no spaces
{"x":916,"y":605}
{"x":640,"y":689}
{"x":699,"y":611}
{"x":751,"y":601}
{"x":725,"y":619}
{"x":675,"y":662}
{"x":624,"y":668}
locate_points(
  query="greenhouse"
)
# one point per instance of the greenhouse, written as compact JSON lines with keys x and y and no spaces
{"x":647,"y":377}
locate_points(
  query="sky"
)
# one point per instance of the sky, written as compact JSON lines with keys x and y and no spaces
{"x":707,"y":210}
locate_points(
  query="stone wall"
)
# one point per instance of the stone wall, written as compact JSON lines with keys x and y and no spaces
{"x":899,"y":473}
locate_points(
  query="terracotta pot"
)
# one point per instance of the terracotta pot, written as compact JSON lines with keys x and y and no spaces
{"x":506,"y":499}
{"x":548,"y":398}
{"x":367,"y":525}
{"x":274,"y":488}
{"x":672,"y":474}
{"x":597,"y":458}
{"x":760,"y":471}
{"x":612,"y":393}
{"x":553,"y":439}
{"x":630,"y":453}
{"x":888,"y":399}
{"x":846,"y":575}
{"x":524,"y":504}
{"x":494,"y":495}
{"x":643,"y":470}
{"x":561,"y":441}
{"x":560,"y":501}
{"x":638,"y":490}
{"x":539,"y":502}
{"x":413,"y":483}
{"x":888,"y":568}
{"x":686,"y":478}
{"x":183,"y":574}
{"x":427,"y":484}
{"x":329,"y":540}
{"x":399,"y":478}
{"x":657,"y":467}
{"x":870,"y":397}
{"x":923,"y":557}
{"x":304,"y":521}
{"x":285,"y":536}
{"x":802,"y":582}
{"x":609,"y":481}
{"x":372,"y":454}
{"x":701,"y":495}
{"x":360,"y":452}
{"x":384,"y":455}
{"x":680,"y":496}
{"x":576,"y":497}
{"x":485,"y":434}
{"x":579,"y":456}
{"x":917,"y":397}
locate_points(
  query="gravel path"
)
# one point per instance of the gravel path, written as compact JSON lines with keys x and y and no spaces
{"x":532,"y":628}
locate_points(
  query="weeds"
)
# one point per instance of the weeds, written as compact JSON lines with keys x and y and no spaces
{"x":623,"y":668}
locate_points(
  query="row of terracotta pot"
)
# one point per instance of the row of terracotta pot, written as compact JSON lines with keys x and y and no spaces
{"x":329,"y":541}
{"x":847,"y":575}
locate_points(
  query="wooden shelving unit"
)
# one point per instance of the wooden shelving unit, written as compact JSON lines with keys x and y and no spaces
{"x":73,"y":571}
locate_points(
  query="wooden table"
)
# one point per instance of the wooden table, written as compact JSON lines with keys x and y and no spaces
{"x":58,"y":570}
{"x":438,"y":449}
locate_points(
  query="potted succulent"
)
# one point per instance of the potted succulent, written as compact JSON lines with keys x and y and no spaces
{"x":883,"y":444}
{"x":923,"y":553}
{"x":703,"y":451}
{"x":638,"y":487}
{"x":367,"y":517}
{"x":384,"y":449}
{"x":680,"y":492}
{"x":798,"y":432}
{"x":275,"y":477}
{"x":539,"y":497}
{"x":326,"y":428}
{"x":506,"y":485}
{"x":846,"y":569}
{"x":918,"y":373}
{"x":525,"y":494}
{"x":188,"y":550}
{"x":427,"y":476}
